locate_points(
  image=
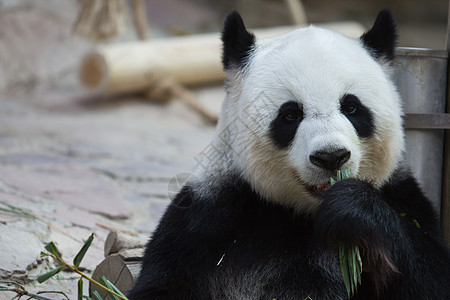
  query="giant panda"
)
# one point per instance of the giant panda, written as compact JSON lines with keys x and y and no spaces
{"x":260,"y":220}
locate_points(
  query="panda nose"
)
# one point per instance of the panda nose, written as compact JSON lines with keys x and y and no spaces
{"x":330,"y":160}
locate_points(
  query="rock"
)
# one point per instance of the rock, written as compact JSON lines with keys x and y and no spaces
{"x":20,"y":249}
{"x":76,"y":187}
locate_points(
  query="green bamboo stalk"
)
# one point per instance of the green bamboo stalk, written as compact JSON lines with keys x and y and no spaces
{"x":349,"y":258}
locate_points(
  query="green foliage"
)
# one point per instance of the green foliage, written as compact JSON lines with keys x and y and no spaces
{"x":97,"y":295}
{"x":416,"y":223}
{"x":15,"y":210}
{"x":79,"y":257}
{"x":413,"y":220}
{"x":111,"y":286}
{"x":51,"y":247}
{"x":349,"y":258}
{"x":54,"y":253}
{"x":351,"y":267}
{"x":80,"y":289}
{"x":340,"y":175}
{"x":43,"y":254}
{"x":43,"y":277}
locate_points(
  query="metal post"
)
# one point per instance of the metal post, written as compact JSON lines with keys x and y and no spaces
{"x":421,"y":78}
{"x":445,"y":203}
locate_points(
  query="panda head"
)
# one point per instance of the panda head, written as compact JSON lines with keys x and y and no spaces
{"x":305,"y":104}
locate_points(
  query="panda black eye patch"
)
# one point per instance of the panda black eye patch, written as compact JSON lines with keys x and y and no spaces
{"x":358,"y":114}
{"x":284,"y":127}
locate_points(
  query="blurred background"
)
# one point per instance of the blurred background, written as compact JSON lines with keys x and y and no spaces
{"x":38,"y":50}
{"x":102,"y":146}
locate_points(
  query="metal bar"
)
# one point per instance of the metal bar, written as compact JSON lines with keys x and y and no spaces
{"x":427,"y":121}
{"x":445,"y":202}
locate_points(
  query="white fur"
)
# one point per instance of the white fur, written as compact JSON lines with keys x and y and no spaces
{"x":315,"y":67}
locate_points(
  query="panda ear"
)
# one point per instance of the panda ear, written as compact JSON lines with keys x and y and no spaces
{"x":237,"y":42}
{"x":381,"y":39}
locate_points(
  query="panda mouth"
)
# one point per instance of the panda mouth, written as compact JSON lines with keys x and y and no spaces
{"x":319,"y":189}
{"x":316,"y":189}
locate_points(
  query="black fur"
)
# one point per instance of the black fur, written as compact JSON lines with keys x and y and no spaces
{"x":185,"y":250}
{"x":380,"y":40}
{"x":284,"y":127}
{"x":234,"y":234}
{"x":237,"y":42}
{"x":358,"y":114}
{"x":404,"y":260}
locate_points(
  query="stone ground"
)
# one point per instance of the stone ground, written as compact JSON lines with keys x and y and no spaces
{"x":79,"y":165}
{"x":76,"y":163}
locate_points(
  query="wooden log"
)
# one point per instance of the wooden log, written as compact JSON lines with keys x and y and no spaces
{"x":120,"y":271}
{"x":122,"y":263}
{"x":131,"y":67}
{"x":117,"y":241}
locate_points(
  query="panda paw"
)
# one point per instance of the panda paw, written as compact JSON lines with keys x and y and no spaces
{"x":349,"y":213}
{"x":353,"y":213}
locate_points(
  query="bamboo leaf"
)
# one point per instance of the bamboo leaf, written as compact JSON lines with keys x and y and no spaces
{"x":115,"y":289}
{"x":341,"y":254}
{"x":51,"y":247}
{"x":346,"y":173}
{"x":350,"y":259}
{"x":354,"y":267}
{"x":109,"y":285}
{"x":358,"y":265}
{"x":340,"y":175}
{"x":358,"y":256}
{"x":17,"y":213}
{"x":79,"y":257}
{"x":80,"y":289}
{"x":43,"y":277}
{"x":11,"y":211}
{"x":350,"y":269}
{"x":97,"y":295}
{"x":16,"y":210}
{"x":359,"y":275}
{"x":344,"y":269}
